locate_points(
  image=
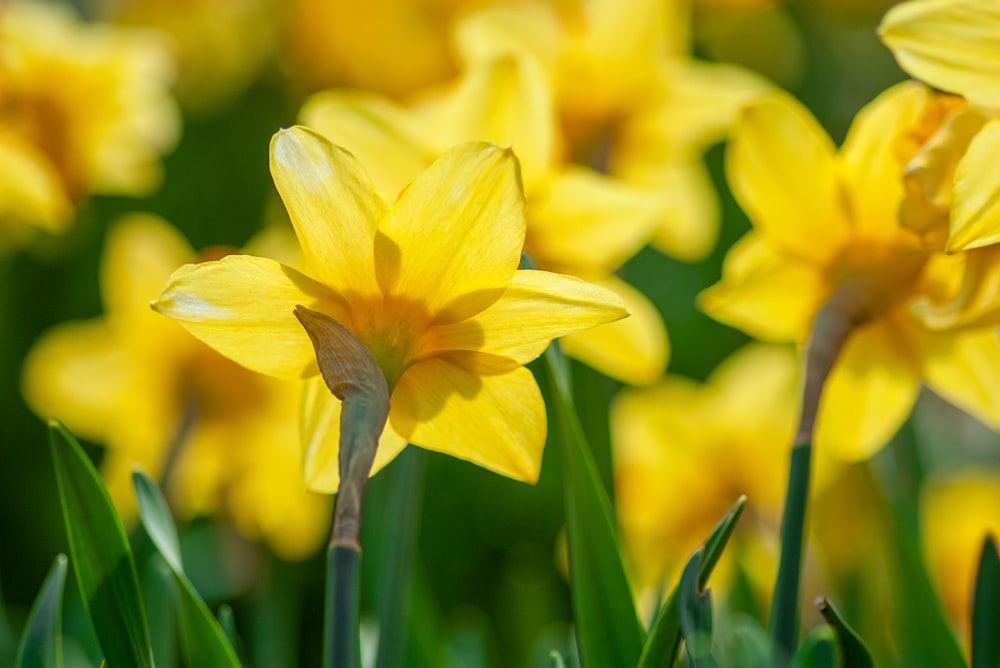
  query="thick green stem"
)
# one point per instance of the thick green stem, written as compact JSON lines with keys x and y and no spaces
{"x":342,"y":643}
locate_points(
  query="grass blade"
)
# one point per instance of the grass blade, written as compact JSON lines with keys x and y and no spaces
{"x":695,"y":611}
{"x":102,"y":559}
{"x":854,"y":652}
{"x":718,"y":540}
{"x":41,"y":644}
{"x":607,"y":626}
{"x":204,"y":641}
{"x":986,"y":609}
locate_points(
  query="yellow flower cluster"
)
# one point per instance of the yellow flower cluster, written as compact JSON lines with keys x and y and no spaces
{"x":83,"y":109}
{"x":572,"y":132}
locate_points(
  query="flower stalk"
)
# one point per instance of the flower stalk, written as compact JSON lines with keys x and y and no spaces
{"x":353,"y":376}
{"x":854,"y":302}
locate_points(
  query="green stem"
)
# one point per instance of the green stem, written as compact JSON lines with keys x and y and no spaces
{"x":847,"y":308}
{"x":402,"y":522}
{"x":342,"y":643}
{"x":784,"y":620}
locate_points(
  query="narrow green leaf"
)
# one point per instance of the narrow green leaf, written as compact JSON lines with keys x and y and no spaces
{"x":101,"y":556}
{"x":664,"y":638}
{"x":227,"y":620}
{"x":557,"y":660}
{"x":607,"y":626}
{"x":783,"y":624}
{"x":157,"y":521}
{"x":986,"y":609}
{"x":718,"y":539}
{"x":159,"y":586}
{"x":854,"y":652}
{"x":41,"y":644}
{"x":818,"y":650}
{"x":695,"y":611}
{"x":203,"y":639}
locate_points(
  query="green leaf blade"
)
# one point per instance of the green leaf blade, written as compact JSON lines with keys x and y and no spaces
{"x":204,"y":641}
{"x":41,"y":644}
{"x":607,"y":626}
{"x":102,"y":559}
{"x":853,"y":650}
{"x":986,"y":608}
{"x":665,"y":635}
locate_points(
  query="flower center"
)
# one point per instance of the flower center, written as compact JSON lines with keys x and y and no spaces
{"x":392,"y":329}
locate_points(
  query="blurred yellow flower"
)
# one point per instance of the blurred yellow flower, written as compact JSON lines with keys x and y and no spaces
{"x":223,"y":439}
{"x":429,"y":284}
{"x":84,"y":108}
{"x":630,"y":100}
{"x":579,"y":221}
{"x":821,"y":218}
{"x":957,"y":513}
{"x":684,"y":452}
{"x":219,"y":45}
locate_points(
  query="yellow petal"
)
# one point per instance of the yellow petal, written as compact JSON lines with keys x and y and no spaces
{"x":701,"y":104}
{"x":536,"y":307}
{"x":772,"y":371}
{"x":333,"y":206}
{"x":140,"y":253}
{"x":30,"y":190}
{"x":634,"y":350}
{"x":873,"y":173}
{"x":782,"y":169}
{"x":975,"y":200}
{"x":532,"y":30}
{"x":976,"y":303}
{"x":453,"y":240}
{"x":506,"y":101}
{"x":950,"y":44}
{"x":964,"y":368}
{"x":690,"y":225}
{"x":384,"y":137}
{"x":75,"y":372}
{"x":496,"y":421}
{"x":587,"y":222}
{"x":243,"y":307}
{"x":869,"y":394}
{"x":320,"y":433}
{"x":764,"y":293}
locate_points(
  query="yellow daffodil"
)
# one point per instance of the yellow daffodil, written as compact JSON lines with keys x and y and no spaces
{"x":957,"y":513}
{"x":83,"y":109}
{"x":629,"y":99}
{"x":684,"y":452}
{"x":580,"y":222}
{"x":824,"y":218}
{"x":219,"y":45}
{"x":952,"y":45}
{"x":428,"y":284}
{"x":223,"y":439}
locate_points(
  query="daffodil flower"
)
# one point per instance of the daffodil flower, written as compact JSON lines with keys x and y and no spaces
{"x":952,"y":45}
{"x":580,"y":222}
{"x":824,"y":220}
{"x":684,"y":452}
{"x":83,"y":109}
{"x":222,"y":438}
{"x":630,"y":100}
{"x":428,"y":284}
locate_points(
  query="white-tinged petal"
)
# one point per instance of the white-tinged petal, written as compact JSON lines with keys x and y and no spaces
{"x":243,"y":307}
{"x":333,"y":205}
